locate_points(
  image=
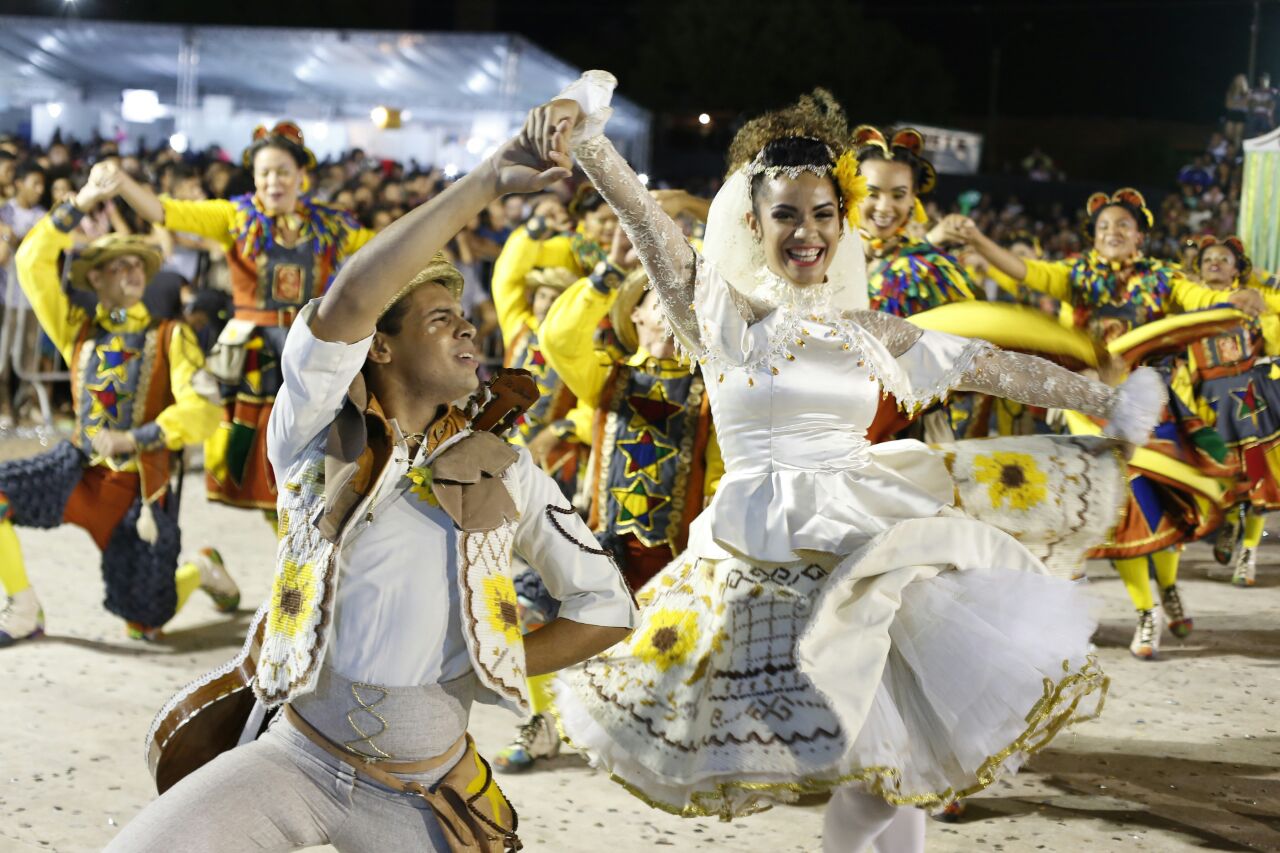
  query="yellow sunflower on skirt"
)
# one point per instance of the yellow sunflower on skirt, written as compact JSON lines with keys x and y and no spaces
{"x":668,"y":640}
{"x":1012,"y":477}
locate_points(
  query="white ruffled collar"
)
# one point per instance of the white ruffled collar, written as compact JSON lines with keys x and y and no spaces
{"x":773,"y":291}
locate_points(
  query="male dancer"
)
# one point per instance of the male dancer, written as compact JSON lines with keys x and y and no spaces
{"x":140,"y":394}
{"x":393,"y":605}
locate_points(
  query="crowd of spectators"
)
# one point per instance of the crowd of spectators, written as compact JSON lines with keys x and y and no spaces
{"x":1205,"y":199}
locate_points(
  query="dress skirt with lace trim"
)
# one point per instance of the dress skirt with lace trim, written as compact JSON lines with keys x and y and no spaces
{"x":897,"y":668}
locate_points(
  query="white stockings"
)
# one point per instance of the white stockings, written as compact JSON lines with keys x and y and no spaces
{"x":857,"y":822}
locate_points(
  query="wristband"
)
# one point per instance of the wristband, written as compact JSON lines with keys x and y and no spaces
{"x":66,"y":217}
{"x":605,"y":278}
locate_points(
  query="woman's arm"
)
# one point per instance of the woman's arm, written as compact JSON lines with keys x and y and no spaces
{"x":667,"y":257}
{"x":1131,"y":410}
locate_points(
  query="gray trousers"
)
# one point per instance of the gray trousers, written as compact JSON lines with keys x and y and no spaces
{"x":282,"y":792}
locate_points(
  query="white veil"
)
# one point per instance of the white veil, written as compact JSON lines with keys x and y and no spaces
{"x":731,"y":247}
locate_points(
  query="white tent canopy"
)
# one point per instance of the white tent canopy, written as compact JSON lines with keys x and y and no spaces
{"x":460,"y":93}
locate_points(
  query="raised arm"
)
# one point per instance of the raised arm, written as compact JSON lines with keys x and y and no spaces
{"x":583,"y":108}
{"x":375,"y":275}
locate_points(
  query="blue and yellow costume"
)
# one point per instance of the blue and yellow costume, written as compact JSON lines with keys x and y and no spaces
{"x":129,"y":372}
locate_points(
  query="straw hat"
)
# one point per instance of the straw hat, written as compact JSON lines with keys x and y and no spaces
{"x":630,"y":292}
{"x":108,"y":248}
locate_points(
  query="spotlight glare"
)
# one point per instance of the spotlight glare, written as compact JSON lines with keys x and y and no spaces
{"x":644,"y":179}
{"x":703,"y":118}
{"x":178,"y":142}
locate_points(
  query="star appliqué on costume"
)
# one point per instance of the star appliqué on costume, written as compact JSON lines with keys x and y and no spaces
{"x":1251,"y":405}
{"x":108,"y":402}
{"x":114,"y":358}
{"x":645,"y":455}
{"x":652,"y":409}
{"x":636,"y":505}
{"x":535,"y":362}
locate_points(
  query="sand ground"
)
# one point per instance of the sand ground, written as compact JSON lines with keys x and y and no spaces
{"x":1185,"y":757}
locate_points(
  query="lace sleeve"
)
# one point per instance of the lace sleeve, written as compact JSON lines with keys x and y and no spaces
{"x":667,"y":257}
{"x":1131,"y":410}
{"x":1036,"y":382}
{"x":894,"y":333}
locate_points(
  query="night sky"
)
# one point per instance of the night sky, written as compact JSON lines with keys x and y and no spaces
{"x":959,"y":64}
{"x":1166,"y":59}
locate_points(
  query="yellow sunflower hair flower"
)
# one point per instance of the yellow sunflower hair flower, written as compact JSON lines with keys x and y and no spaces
{"x":853,"y":186}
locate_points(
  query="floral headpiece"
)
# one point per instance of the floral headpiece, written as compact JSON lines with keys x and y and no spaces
{"x":1244,"y":266}
{"x":852,"y":186}
{"x":1128,"y":198}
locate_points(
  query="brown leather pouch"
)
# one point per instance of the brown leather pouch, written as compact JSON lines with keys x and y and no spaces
{"x":474,"y":814}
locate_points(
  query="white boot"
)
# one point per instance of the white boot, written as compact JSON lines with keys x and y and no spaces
{"x":21,"y":619}
{"x":1146,"y":638}
{"x":216,"y":581}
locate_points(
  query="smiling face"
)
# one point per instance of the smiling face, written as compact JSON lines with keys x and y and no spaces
{"x":433,"y":351}
{"x":277,"y":179}
{"x":598,"y":225}
{"x":119,"y":282}
{"x":542,"y":299}
{"x":891,"y":197}
{"x":798,"y":222}
{"x":1218,"y":267}
{"x":1116,"y":235}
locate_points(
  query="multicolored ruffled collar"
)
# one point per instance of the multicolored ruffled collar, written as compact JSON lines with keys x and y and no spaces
{"x":1097,"y":281}
{"x":913,"y":276}
{"x":323,"y":225}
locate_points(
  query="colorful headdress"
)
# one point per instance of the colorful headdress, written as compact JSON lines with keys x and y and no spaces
{"x":1127,"y":198}
{"x":286,"y":135}
{"x":815,"y":118}
{"x":906,"y":146}
{"x":1244,"y":266}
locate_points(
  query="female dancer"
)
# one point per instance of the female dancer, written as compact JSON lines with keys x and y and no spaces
{"x":1112,"y":290}
{"x":1233,"y":399}
{"x":287,"y":248}
{"x":834,"y":624}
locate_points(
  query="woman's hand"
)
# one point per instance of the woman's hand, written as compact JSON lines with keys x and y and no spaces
{"x":1249,"y":301}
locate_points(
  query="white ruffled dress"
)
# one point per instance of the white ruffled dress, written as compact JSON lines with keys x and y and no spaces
{"x":842,"y":615}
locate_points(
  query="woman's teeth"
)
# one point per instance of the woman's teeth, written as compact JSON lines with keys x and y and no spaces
{"x":804,"y":256}
{"x":882,"y":220}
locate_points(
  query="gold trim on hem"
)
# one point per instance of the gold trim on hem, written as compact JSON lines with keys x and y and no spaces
{"x":1053,"y":712}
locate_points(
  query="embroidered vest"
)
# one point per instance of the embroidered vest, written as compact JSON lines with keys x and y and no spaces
{"x":120,"y":380}
{"x":267,"y":276}
{"x":648,"y":457}
{"x":1109,"y":302}
{"x":322,"y":493}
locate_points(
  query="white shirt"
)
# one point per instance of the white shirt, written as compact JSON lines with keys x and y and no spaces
{"x":397,"y":618}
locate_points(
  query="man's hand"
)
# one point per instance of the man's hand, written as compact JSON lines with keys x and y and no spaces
{"x":108,"y":443}
{"x":104,"y":183}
